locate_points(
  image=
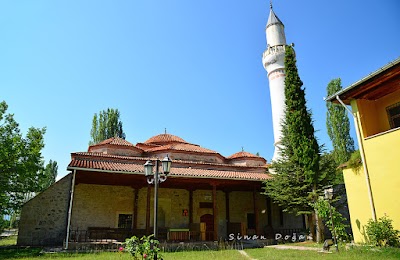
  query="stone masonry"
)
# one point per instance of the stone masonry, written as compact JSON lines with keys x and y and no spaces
{"x":44,"y":219}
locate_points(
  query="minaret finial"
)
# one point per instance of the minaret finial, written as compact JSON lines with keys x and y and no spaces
{"x":165,"y":130}
{"x":242,"y":149}
{"x":270,"y":4}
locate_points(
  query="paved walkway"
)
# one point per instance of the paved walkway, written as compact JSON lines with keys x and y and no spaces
{"x":243,"y":253}
{"x":295,"y":247}
{"x":282,"y":247}
{"x":9,"y":232}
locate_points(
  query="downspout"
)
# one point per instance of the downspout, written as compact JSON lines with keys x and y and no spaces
{"x":360,"y":144}
{"x":70,"y":208}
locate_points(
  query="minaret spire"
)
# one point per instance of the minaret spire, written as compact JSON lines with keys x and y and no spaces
{"x":274,"y":63}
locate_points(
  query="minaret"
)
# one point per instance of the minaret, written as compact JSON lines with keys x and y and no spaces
{"x":273,"y":61}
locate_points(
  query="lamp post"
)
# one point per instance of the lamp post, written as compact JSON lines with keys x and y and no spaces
{"x":157,"y":178}
{"x":328,"y":192}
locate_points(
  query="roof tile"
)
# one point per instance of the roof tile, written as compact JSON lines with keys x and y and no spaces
{"x":95,"y":162}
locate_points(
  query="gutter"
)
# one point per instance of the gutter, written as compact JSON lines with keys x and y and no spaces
{"x":361,"y":146}
{"x":70,"y":209}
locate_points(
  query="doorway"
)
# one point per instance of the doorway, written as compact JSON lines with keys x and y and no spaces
{"x":209,"y":220}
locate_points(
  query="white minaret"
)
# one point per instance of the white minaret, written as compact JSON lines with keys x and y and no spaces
{"x":273,"y":61}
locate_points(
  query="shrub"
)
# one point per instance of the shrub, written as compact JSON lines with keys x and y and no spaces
{"x":355,"y":161}
{"x":143,"y":248}
{"x":322,"y":207}
{"x":382,"y":233}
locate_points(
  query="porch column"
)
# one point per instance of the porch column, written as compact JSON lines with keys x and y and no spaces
{"x":255,"y":210}
{"x":135,"y":208}
{"x":190,"y":206}
{"x":227,"y":210}
{"x":215,"y":211}
{"x":269,"y":212}
{"x":148,"y":209}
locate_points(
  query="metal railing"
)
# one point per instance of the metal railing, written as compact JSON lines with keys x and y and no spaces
{"x":120,"y":235}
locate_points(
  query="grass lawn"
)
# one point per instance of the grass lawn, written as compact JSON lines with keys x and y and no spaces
{"x":354,"y":253}
{"x":7,"y":251}
{"x":8,"y":241}
{"x":35,"y":254}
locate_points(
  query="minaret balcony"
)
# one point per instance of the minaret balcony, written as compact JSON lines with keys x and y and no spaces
{"x":274,"y":50}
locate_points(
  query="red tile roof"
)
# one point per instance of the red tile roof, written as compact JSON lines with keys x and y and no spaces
{"x":115,"y":141}
{"x":181,"y":147}
{"x":165,"y":138}
{"x":243,"y":154}
{"x":218,"y":174}
{"x":123,"y":164}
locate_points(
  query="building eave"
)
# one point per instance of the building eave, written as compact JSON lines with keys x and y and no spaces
{"x":360,"y":83}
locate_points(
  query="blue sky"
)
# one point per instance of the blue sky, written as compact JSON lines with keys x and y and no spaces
{"x":193,"y":67}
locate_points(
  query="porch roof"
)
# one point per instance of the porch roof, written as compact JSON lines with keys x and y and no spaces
{"x":372,"y":87}
{"x":134,"y":165}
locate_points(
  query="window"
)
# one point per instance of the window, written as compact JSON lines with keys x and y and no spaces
{"x":205,"y":205}
{"x":251,"y":221}
{"x":393,"y":112}
{"x":281,"y":216}
{"x":125,"y":221}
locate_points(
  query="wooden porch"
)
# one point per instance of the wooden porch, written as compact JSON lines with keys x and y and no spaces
{"x":173,"y":234}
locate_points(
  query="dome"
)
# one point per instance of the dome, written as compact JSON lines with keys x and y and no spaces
{"x":165,"y":138}
{"x":116,"y":146}
{"x":243,"y":154}
{"x":114,"y":141}
{"x":247,"y":159}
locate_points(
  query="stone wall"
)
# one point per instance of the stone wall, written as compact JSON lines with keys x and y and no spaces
{"x":290,"y":221}
{"x":99,"y":205}
{"x":43,"y":219}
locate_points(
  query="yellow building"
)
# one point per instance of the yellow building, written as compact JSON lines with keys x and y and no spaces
{"x":375,"y":105}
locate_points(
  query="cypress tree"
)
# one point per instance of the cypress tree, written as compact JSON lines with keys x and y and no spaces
{"x":300,"y":173}
{"x":338,"y":126}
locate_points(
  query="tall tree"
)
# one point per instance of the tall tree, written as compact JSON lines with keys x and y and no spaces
{"x":50,"y":175}
{"x":300,"y":173}
{"x":21,"y":162}
{"x":106,"y":125}
{"x":338,"y":126}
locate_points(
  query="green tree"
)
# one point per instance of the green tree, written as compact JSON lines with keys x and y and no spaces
{"x":50,"y":175}
{"x":21,"y":163}
{"x":338,"y":126}
{"x":106,"y":125}
{"x":300,"y":172}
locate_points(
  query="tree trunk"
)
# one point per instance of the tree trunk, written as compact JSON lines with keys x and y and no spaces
{"x":319,"y":227}
{"x":311,"y":225}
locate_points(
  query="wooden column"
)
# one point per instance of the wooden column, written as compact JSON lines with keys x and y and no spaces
{"x":215,"y":211}
{"x":148,"y":209}
{"x":190,"y":206}
{"x":269,"y":212}
{"x":255,"y":208}
{"x":135,"y":208}
{"x":227,"y":212}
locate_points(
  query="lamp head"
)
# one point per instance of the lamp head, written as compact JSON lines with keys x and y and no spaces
{"x":148,"y":169}
{"x":166,"y":165}
{"x":328,"y":192}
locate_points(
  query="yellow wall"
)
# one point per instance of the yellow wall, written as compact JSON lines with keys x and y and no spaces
{"x":382,"y":158}
{"x":383,"y":161}
{"x":358,"y":202}
{"x":373,"y":114}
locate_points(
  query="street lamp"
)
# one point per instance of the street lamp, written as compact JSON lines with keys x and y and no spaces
{"x":328,"y":192}
{"x":156,"y":179}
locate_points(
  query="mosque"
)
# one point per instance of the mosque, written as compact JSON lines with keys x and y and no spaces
{"x":204,"y":197}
